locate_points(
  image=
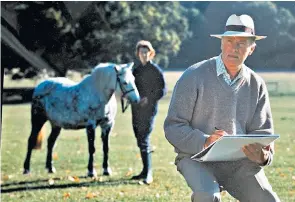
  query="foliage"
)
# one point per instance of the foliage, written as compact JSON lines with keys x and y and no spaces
{"x":107,"y":31}
{"x":44,"y":28}
{"x":179,"y":31}
{"x":277,"y":23}
{"x":111,"y":30}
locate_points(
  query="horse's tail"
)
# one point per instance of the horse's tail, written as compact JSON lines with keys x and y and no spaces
{"x":38,"y":119}
{"x":40,"y":137}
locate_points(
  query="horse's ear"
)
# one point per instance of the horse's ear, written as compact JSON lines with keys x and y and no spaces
{"x":129,"y":65}
{"x":123,"y":66}
{"x":117,"y":68}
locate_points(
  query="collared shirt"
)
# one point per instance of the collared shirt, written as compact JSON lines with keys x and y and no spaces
{"x":220,"y":69}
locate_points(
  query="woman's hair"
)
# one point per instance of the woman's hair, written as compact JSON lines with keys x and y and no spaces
{"x":145,"y":44}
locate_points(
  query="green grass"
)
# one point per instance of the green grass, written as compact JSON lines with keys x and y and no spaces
{"x":71,"y":157}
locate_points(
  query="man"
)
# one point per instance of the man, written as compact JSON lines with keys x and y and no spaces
{"x":223,"y":96}
{"x":150,"y":83}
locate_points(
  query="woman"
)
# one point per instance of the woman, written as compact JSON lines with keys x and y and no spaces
{"x":150,"y":83}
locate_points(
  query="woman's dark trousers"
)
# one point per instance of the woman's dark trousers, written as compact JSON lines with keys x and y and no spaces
{"x":143,"y":123}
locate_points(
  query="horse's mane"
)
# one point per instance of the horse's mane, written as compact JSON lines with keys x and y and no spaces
{"x":101,"y":75}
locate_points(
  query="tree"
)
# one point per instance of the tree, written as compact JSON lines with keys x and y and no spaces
{"x":187,"y":54}
{"x":43,"y":28}
{"x":110,"y":30}
{"x":276,"y":51}
{"x":46,"y":27}
{"x":106,"y":32}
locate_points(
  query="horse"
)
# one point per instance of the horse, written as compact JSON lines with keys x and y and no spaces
{"x":84,"y":105}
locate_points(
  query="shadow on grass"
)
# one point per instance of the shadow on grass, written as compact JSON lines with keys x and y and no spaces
{"x":91,"y":183}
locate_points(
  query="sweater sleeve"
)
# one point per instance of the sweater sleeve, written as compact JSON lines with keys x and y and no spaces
{"x":178,"y":130}
{"x":262,"y":122}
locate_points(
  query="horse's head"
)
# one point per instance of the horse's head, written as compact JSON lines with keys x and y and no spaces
{"x":125,"y":80}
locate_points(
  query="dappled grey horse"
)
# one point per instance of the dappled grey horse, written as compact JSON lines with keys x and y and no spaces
{"x":87,"y":104}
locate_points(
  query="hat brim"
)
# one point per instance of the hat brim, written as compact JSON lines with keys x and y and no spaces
{"x":235,"y":34}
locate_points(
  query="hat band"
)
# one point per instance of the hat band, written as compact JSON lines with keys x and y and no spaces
{"x":239,"y":28}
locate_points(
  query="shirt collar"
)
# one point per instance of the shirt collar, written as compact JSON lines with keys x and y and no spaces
{"x":220,"y":69}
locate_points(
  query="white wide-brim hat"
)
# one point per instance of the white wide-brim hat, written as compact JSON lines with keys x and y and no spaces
{"x":242,"y":26}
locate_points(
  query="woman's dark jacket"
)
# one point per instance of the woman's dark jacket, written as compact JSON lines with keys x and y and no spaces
{"x":150,"y":82}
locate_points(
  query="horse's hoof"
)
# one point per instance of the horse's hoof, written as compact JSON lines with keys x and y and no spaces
{"x":107,"y":171}
{"x":51,"y":170}
{"x":26,"y":172}
{"x":92,"y":174}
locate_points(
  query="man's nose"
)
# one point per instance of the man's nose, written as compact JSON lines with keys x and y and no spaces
{"x":237,"y":46}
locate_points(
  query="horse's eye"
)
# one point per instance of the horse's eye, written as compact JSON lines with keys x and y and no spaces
{"x":125,"y":83}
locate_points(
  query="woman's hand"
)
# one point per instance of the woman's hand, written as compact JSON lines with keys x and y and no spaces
{"x":144,"y":101}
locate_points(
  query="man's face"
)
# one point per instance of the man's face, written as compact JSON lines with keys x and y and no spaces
{"x":144,"y":55}
{"x":235,"y":50}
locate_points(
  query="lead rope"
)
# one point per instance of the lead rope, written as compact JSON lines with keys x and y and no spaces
{"x":122,"y":104}
{"x":124,"y":108}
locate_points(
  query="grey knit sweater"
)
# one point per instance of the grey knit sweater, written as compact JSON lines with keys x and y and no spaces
{"x":202,"y":101}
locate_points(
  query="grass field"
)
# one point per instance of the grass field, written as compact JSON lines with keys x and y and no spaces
{"x":71,"y":157}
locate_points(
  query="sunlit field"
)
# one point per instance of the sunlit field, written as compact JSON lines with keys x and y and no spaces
{"x":71,"y":156}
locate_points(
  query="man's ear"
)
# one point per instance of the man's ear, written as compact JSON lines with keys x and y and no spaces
{"x":252,"y":49}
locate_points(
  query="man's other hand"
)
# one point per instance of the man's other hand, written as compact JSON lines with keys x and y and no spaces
{"x":257,"y":153}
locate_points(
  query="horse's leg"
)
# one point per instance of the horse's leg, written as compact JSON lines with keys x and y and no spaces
{"x":37,"y":121}
{"x":91,"y":148}
{"x":105,"y":132}
{"x":55,"y":131}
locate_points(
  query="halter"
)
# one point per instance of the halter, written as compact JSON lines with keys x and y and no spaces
{"x":123,"y":90}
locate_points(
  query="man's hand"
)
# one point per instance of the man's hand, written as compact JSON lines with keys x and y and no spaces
{"x":213,"y":137}
{"x":257,"y":153}
{"x":143,"y":101}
